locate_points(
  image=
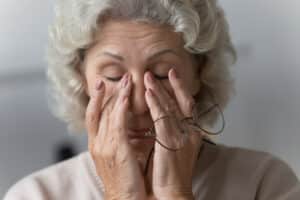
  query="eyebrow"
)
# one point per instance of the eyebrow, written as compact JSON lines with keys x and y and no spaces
{"x":115,"y":56}
{"x":155,"y":55}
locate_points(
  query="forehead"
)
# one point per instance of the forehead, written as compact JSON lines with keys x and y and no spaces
{"x":138,"y":34}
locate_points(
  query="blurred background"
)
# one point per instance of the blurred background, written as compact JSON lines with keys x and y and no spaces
{"x":264,"y":114}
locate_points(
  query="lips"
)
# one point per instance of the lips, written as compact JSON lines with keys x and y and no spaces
{"x":137,"y":133}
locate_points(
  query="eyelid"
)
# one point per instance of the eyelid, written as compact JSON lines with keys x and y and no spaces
{"x":112,"y":71}
{"x":116,"y":79}
{"x":162,"y":66}
{"x":160,"y":77}
{"x":167,"y":67}
{"x":113,"y":79}
{"x":153,"y":66}
{"x":108,"y":64}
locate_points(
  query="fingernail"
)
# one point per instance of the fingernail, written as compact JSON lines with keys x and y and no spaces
{"x":150,"y":78}
{"x":99,"y":84}
{"x":125,"y":81}
{"x":174,"y":74}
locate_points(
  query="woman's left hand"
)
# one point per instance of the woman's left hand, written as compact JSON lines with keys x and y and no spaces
{"x":172,"y":169}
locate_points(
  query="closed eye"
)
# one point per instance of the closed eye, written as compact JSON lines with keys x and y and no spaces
{"x":118,"y":78}
{"x":113,"y":79}
{"x":160,"y":77}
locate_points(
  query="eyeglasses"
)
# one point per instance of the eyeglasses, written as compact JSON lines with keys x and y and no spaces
{"x":203,"y":114}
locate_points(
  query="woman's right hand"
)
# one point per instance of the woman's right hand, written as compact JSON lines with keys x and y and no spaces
{"x":108,"y":143}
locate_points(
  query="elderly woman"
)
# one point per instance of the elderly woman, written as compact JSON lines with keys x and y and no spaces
{"x":147,"y":80}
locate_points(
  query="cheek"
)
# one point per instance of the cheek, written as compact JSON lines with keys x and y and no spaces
{"x":110,"y":89}
{"x":191,"y":85}
{"x":190,"y":81}
{"x":91,"y":84}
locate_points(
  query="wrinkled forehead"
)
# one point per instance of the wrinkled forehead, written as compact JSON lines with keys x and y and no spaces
{"x":136,"y":30}
{"x":141,"y":35}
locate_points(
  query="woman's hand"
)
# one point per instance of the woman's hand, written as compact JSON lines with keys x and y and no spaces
{"x":108,"y":144}
{"x":172,"y":170}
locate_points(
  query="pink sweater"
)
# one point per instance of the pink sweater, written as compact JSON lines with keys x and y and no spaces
{"x":224,"y":173}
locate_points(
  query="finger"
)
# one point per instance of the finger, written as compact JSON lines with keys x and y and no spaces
{"x":167,"y":133}
{"x":122,"y":103}
{"x":103,"y":125}
{"x":109,"y":116}
{"x":109,"y":104}
{"x":157,"y":113}
{"x":195,"y":138}
{"x":93,"y":110}
{"x":184,"y":98}
{"x":156,"y":109}
{"x":164,"y":98}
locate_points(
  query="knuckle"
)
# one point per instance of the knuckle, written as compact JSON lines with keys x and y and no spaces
{"x":91,"y":121}
{"x":90,"y":110}
{"x":117,"y":129}
{"x":107,"y":154}
{"x":169,"y":108}
{"x":97,"y":94}
{"x":160,"y":113}
{"x":96,"y":150}
{"x":103,"y":152}
{"x":92,"y":118}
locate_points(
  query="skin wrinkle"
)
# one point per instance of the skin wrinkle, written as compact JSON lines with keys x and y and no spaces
{"x":81,"y":37}
{"x":112,"y":41}
{"x":76,"y":40}
{"x":112,"y":48}
{"x":136,"y":33}
{"x":135,"y":47}
{"x":152,"y":57}
{"x":138,"y":36}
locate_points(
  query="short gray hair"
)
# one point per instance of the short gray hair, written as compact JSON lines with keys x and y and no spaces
{"x":202,"y":23}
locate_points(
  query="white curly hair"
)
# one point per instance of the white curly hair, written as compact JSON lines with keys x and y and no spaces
{"x":202,"y":24}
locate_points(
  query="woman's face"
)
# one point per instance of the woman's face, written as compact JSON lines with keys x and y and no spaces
{"x":135,"y":48}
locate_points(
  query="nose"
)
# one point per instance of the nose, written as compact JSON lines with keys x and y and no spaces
{"x":138,"y":103}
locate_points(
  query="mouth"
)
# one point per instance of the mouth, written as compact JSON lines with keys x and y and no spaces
{"x":138,"y":134}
